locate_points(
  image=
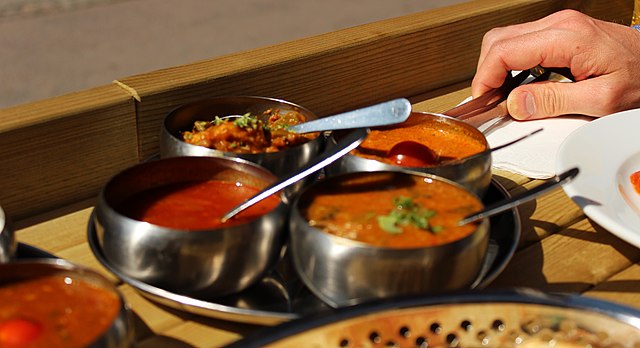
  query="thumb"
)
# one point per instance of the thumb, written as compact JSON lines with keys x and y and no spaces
{"x":547,"y":99}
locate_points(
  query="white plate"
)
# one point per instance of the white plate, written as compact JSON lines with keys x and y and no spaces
{"x":607,"y":151}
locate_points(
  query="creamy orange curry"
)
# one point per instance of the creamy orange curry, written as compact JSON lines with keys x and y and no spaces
{"x":447,"y":140}
{"x":392,"y":210}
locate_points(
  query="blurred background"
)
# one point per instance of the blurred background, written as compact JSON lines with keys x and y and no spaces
{"x":53,"y":47}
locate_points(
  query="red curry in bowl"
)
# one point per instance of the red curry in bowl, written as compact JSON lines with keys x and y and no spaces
{"x":52,"y":303}
{"x":448,"y":141}
{"x":196,"y":205}
{"x":392,"y":210}
{"x":55,"y":311}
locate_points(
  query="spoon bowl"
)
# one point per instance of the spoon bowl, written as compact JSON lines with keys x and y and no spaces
{"x":411,"y":153}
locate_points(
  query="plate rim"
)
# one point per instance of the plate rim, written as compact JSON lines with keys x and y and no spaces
{"x":599,"y":215}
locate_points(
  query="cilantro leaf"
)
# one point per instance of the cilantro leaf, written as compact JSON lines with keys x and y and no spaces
{"x":407,"y":212}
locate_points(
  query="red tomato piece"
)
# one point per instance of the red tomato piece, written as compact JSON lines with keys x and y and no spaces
{"x":18,"y":332}
{"x":635,"y":180}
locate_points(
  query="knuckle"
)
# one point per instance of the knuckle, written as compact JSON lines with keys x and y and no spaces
{"x":578,"y":22}
{"x":491,"y":36}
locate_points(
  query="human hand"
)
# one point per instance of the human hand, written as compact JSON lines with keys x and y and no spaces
{"x":604,"y":59}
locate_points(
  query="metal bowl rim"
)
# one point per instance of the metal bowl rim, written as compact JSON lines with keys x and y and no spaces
{"x":296,"y":214}
{"x":168,"y":231}
{"x":446,"y":164}
{"x":220,"y":153}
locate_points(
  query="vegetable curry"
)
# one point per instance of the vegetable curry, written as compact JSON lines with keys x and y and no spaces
{"x":391,"y":210}
{"x":249,"y":133}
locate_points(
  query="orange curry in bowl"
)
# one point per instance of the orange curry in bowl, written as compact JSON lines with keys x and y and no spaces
{"x":249,"y":133}
{"x":196,"y":205}
{"x":55,"y":311}
{"x":448,"y":140}
{"x":392,"y":210}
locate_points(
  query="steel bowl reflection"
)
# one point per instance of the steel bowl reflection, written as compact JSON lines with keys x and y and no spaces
{"x":8,"y":243}
{"x":208,"y":261}
{"x":352,"y":265}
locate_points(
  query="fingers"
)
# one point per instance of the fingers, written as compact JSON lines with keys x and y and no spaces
{"x":504,"y":33}
{"x":550,"y":99}
{"x":523,"y":46}
{"x":546,"y":48}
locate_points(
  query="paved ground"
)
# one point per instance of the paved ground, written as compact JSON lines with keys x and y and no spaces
{"x":53,"y":47}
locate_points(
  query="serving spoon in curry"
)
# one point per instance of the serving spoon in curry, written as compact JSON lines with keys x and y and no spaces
{"x":383,"y":114}
{"x":411,"y":153}
{"x":346,"y":144}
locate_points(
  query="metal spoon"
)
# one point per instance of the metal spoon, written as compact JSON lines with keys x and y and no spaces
{"x":514,"y":201}
{"x":413,"y":154}
{"x":383,"y":114}
{"x":346,"y":144}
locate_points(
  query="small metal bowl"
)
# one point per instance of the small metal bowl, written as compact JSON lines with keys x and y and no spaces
{"x":206,"y":262}
{"x":119,"y":331}
{"x":473,"y":173}
{"x":343,"y":272}
{"x":8,"y":243}
{"x":280,"y":162}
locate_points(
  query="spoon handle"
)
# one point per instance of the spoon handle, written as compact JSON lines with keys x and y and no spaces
{"x":387,"y":113}
{"x":514,"y":201}
{"x":346,"y":144}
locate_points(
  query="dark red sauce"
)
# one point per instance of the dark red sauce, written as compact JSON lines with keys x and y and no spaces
{"x":196,"y":205}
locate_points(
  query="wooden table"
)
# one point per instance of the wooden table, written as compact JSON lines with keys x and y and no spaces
{"x":57,"y":153}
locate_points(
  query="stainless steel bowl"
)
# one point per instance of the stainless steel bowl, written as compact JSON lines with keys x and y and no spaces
{"x":119,"y":334}
{"x":8,"y":241}
{"x":211,"y":262}
{"x":280,"y":162}
{"x":343,"y":272}
{"x":473,"y":173}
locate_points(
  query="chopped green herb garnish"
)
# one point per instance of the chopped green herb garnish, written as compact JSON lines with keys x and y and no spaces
{"x":389,"y":224}
{"x":200,"y":125}
{"x":246,"y":121}
{"x":217,"y":121}
{"x":407,"y":212}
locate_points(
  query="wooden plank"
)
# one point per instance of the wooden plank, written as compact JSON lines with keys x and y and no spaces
{"x":328,"y":73}
{"x":192,"y":334}
{"x":621,"y":288}
{"x":150,"y":319}
{"x":618,"y":11}
{"x":569,"y":261}
{"x":57,"y":234}
{"x":547,"y":215}
{"x":61,"y":150}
